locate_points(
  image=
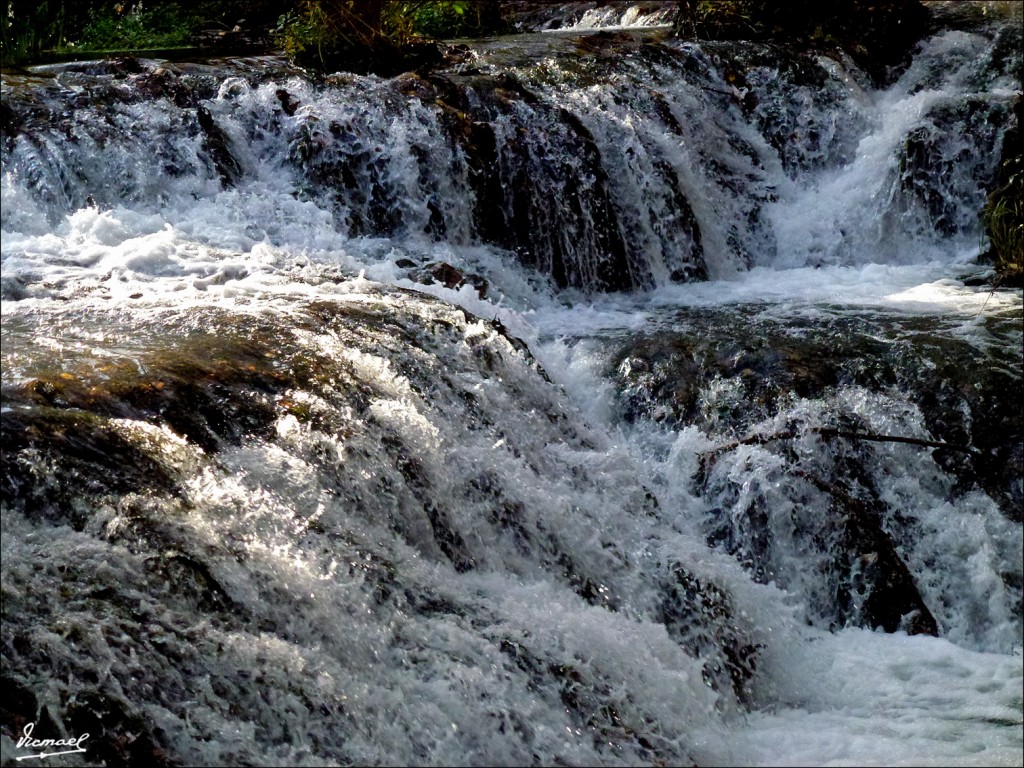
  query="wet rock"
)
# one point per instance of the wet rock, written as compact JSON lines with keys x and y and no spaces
{"x":10,"y":122}
{"x":878,"y":34}
{"x":967,"y":401}
{"x":664,"y":377}
{"x":1003,"y":213}
{"x":122,"y":66}
{"x":514,"y":181}
{"x":13,"y":288}
{"x":458,"y":54}
{"x":789,"y":95}
{"x":21,"y":707}
{"x":119,"y":736}
{"x":732,"y":374}
{"x":209,"y":390}
{"x":477,"y":138}
{"x":190,"y":575}
{"x":164,"y":82}
{"x":590,"y":703}
{"x":288,"y":102}
{"x":213,"y":390}
{"x":84,"y":455}
{"x":699,"y":616}
{"x":118,"y":66}
{"x":931,"y":155}
{"x":218,"y":146}
{"x":351,"y":166}
{"x":448,"y":276}
{"x":857,"y":576}
{"x":875,"y":587}
{"x":967,"y":396}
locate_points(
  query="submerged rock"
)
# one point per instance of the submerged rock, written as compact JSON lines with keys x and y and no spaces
{"x":797,"y":396}
{"x":218,"y":145}
{"x":448,"y":276}
{"x":700,"y":617}
{"x":267,"y":501}
{"x":878,"y":34}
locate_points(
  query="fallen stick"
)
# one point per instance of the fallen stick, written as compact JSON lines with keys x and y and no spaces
{"x":830,"y":432}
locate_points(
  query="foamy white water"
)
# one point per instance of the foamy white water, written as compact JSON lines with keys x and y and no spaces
{"x":381,"y":536}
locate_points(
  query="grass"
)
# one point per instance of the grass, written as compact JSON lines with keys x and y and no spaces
{"x":1003,"y":214}
{"x":1003,"y":218}
{"x":165,"y":26}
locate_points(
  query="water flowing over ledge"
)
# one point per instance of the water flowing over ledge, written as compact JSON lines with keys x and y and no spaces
{"x":698,"y":162}
{"x":600,"y":399}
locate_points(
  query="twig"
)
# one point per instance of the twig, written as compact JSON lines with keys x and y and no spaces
{"x":830,"y":432}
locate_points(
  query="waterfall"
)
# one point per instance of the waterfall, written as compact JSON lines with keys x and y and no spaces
{"x":579,"y":16}
{"x":679,"y":172}
{"x":594,"y":399}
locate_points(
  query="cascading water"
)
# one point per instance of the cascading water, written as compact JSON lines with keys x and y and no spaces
{"x":577,"y":15}
{"x":629,"y":17}
{"x":593,"y":400}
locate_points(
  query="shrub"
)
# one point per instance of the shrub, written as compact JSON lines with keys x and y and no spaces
{"x":29,"y":26}
{"x":1004,"y":223}
{"x":439,"y":20}
{"x":121,"y":26}
{"x":383,"y":36}
{"x":1003,"y":220}
{"x":1003,"y":214}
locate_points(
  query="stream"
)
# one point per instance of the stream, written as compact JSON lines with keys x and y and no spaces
{"x":599,"y":398}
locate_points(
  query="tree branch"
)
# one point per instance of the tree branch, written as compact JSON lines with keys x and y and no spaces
{"x":830,"y":432}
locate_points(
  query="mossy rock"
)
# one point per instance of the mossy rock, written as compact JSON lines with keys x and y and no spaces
{"x":878,"y":34}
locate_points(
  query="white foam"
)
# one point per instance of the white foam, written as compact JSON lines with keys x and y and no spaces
{"x":863,"y":698}
{"x":415,"y":686}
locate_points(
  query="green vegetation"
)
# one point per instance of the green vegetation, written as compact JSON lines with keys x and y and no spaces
{"x":65,"y":26}
{"x":381,"y":36}
{"x":166,"y":26}
{"x":1003,"y":215}
{"x":367,"y":35}
{"x":28,"y":28}
{"x":1004,"y":223}
{"x":442,"y":20}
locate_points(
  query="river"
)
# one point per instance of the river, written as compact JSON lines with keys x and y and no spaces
{"x":599,"y":398}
